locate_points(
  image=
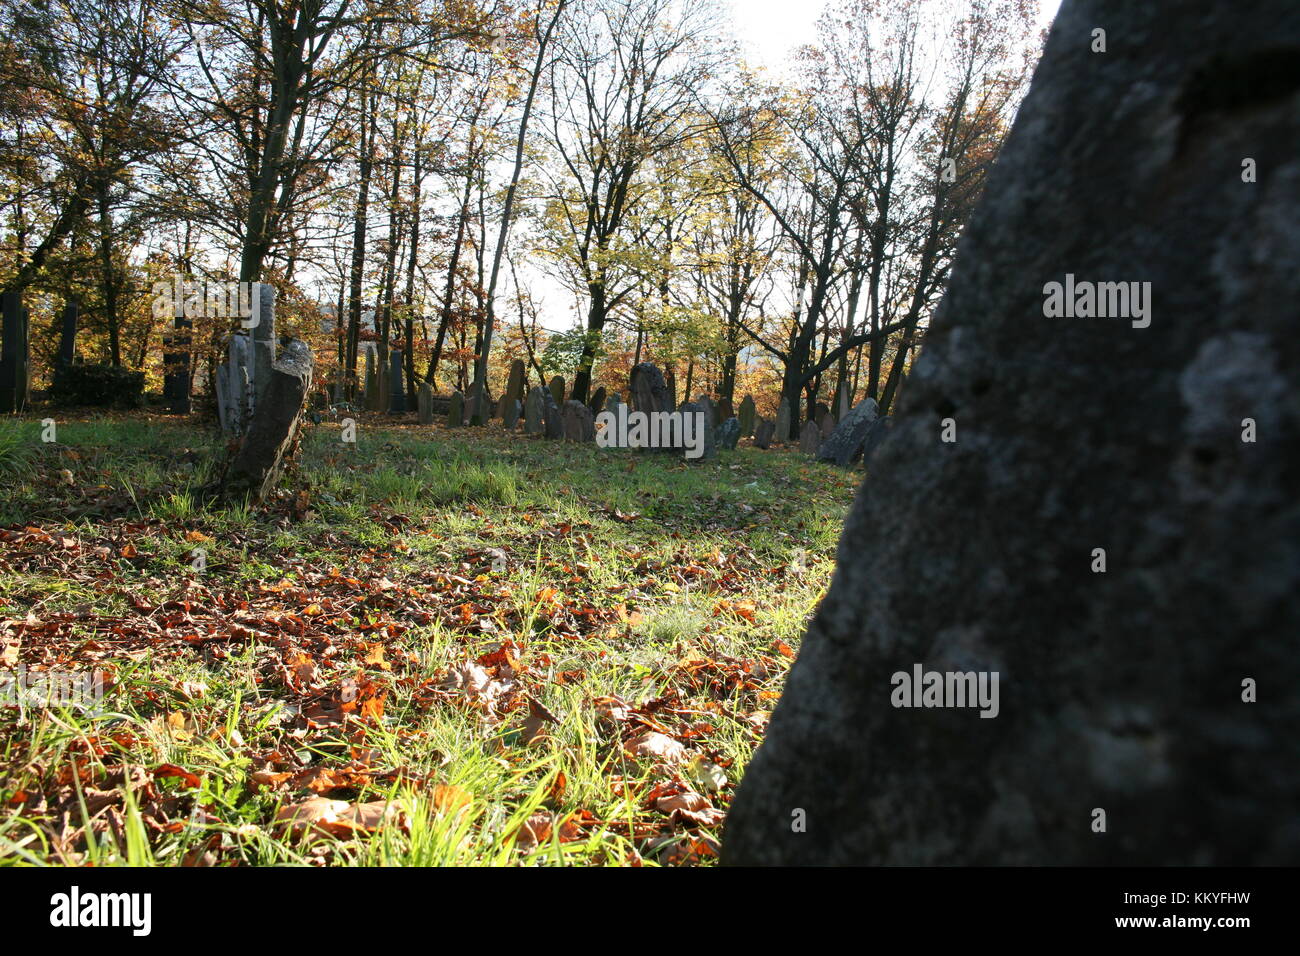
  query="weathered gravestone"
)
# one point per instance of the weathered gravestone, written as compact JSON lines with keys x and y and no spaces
{"x":597,"y":402}
{"x":369,"y":396}
{"x":763,"y":433}
{"x":267,"y":445}
{"x":552,"y":416}
{"x":396,"y":385}
{"x":612,"y":401}
{"x":827,"y":427}
{"x":746,"y":417}
{"x":728,"y":433}
{"x":557,"y":389}
{"x":533,"y":411}
{"x":710,"y":410}
{"x":809,"y":438}
{"x":1128,"y":692}
{"x":514,"y":386}
{"x":704,"y":445}
{"x":511,"y":418}
{"x":474,"y":412}
{"x":424,"y":403}
{"x":456,"y":410}
{"x":648,"y":390}
{"x":579,"y":423}
{"x":846,"y":442}
{"x":783,"y":421}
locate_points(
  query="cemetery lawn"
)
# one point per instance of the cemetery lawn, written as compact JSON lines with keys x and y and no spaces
{"x":434,"y":647}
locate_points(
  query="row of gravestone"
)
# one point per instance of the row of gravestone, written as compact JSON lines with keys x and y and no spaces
{"x":545,"y":412}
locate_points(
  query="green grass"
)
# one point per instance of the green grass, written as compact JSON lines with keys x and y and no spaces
{"x":314,"y":653}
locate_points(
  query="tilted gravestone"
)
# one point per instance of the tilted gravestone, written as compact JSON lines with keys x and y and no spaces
{"x":456,"y":410}
{"x":728,"y":433}
{"x":534,"y":410}
{"x":763,"y":433}
{"x":827,"y":427}
{"x":424,"y":403}
{"x":747,"y":417}
{"x":1112,"y":526}
{"x":809,"y":438}
{"x":846,"y":443}
{"x":557,"y":389}
{"x":579,"y":423}
{"x":267,"y":445}
{"x":597,"y":402}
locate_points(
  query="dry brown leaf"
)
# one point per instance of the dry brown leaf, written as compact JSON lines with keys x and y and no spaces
{"x":656,"y":746}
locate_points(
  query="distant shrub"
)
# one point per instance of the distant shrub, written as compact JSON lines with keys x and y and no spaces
{"x":98,"y":385}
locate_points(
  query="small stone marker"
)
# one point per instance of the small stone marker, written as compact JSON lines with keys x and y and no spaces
{"x":810,"y":438}
{"x":746,"y":417}
{"x":424,"y":403}
{"x":728,"y":434}
{"x":847,"y":441}
{"x":557,"y":389}
{"x":579,"y":423}
{"x":783,"y":422}
{"x":763,"y":433}
{"x":456,"y":410}
{"x":511,"y":418}
{"x":533,"y":411}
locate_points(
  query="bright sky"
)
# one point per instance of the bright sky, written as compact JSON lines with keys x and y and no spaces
{"x":768,"y":30}
{"x":771,"y":29}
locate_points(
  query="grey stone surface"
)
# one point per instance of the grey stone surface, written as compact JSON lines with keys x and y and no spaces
{"x":552,"y":417}
{"x":1119,"y":690}
{"x":597,"y":402}
{"x":514,"y":386}
{"x":704,"y":427}
{"x":511,"y":417}
{"x":728,"y":433}
{"x":533,"y":412}
{"x":809,"y":438}
{"x":648,"y":392}
{"x":747,"y":417}
{"x":557,"y":389}
{"x":763,"y":433}
{"x":579,"y":422}
{"x":424,"y":403}
{"x":783,"y":421}
{"x":847,"y":441}
{"x":273,"y":431}
{"x":456,"y":410}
